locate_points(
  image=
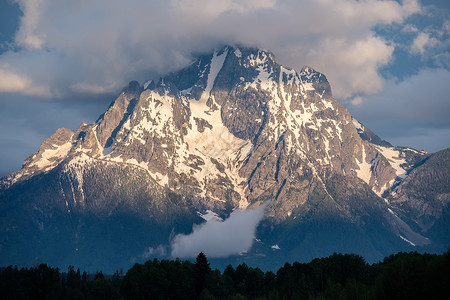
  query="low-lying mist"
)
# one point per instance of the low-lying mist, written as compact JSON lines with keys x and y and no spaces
{"x":217,"y":238}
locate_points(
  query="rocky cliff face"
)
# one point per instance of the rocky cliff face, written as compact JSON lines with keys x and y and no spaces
{"x":424,"y":196}
{"x":233,"y":130}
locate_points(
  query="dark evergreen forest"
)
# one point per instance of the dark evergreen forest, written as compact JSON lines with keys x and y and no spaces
{"x":339,"y":276}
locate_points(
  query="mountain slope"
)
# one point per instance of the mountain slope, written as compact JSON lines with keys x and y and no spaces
{"x":235,"y":129}
{"x":424,"y":197}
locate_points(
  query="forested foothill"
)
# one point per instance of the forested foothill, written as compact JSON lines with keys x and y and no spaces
{"x":340,"y":276}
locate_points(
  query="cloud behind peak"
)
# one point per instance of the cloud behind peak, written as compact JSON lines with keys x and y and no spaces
{"x":108,"y":43}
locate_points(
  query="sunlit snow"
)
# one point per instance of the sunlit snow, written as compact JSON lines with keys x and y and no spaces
{"x":364,"y":171}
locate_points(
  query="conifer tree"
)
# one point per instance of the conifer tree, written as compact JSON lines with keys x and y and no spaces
{"x":201,"y":271}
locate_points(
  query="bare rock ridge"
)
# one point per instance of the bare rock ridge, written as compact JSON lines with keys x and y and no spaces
{"x":233,"y":130}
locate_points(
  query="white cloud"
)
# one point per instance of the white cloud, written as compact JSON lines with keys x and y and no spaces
{"x":85,"y":87}
{"x":13,"y":82}
{"x":423,"y":41}
{"x":160,"y":250}
{"x":357,"y":100}
{"x":218,"y":238}
{"x":90,"y":46}
{"x":352,"y":66}
{"x":446,"y":28}
{"x":409,"y":28}
{"x":209,"y":10}
{"x":28,"y":35}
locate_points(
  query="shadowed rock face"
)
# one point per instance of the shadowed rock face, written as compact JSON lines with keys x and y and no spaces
{"x":233,"y":130}
{"x":424,"y":195}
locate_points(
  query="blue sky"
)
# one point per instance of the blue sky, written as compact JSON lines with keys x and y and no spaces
{"x":63,"y":62}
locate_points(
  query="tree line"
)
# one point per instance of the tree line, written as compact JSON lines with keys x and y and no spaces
{"x":340,"y":276}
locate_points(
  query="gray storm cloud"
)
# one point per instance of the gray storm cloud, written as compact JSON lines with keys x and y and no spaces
{"x":218,"y":238}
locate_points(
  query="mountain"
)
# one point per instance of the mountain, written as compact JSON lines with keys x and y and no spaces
{"x":232,"y":131}
{"x":423,"y":198}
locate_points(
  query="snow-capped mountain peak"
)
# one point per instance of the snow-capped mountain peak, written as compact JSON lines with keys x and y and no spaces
{"x":233,"y":130}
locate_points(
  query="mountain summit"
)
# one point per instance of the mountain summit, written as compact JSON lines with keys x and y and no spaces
{"x":233,"y":130}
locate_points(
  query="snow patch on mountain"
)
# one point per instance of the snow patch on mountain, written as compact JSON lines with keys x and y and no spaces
{"x":408,"y":241}
{"x":51,"y":157}
{"x":209,"y":215}
{"x":364,"y":172}
{"x":275,"y":247}
{"x":358,"y":125}
{"x":238,"y":53}
{"x":147,"y":83}
{"x":214,"y":143}
{"x":395,"y":160}
{"x":75,"y":168}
